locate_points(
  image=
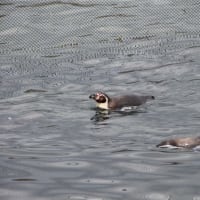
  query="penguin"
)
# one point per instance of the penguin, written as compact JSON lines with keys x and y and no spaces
{"x":185,"y":142}
{"x":103,"y":101}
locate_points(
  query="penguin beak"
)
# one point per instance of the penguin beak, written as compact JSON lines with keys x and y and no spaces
{"x":92,"y":96}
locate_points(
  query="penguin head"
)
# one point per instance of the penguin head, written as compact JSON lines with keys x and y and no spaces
{"x":101,"y":99}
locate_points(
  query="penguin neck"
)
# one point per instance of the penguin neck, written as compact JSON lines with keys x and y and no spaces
{"x":103,"y":105}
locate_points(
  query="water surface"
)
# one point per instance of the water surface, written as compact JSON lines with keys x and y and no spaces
{"x":53,"y":142}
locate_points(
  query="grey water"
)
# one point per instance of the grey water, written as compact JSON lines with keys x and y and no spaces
{"x":54,"y":144}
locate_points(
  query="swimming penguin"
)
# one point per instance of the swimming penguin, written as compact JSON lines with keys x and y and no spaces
{"x":105,"y":102}
{"x":186,"y":142}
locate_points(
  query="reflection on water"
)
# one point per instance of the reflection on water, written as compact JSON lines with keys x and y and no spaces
{"x":53,"y":143}
{"x":102,"y":115}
